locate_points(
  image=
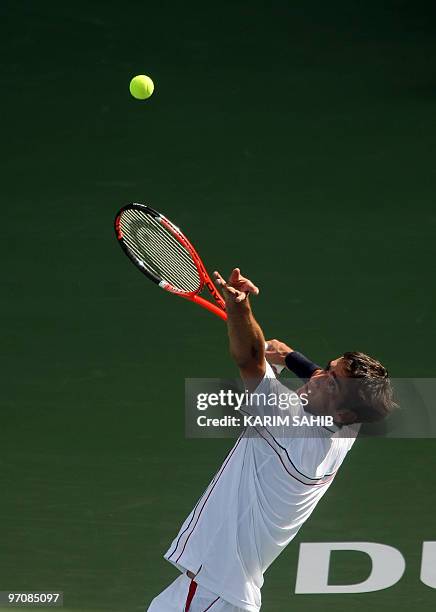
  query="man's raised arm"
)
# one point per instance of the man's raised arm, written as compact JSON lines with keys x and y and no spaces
{"x":246,"y":339}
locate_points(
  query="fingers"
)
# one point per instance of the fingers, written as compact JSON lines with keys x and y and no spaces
{"x":270,"y":348}
{"x":237,"y":286}
{"x":235,"y":276}
{"x":219,"y":279}
{"x":251,"y":287}
{"x":245,"y":284}
{"x":228,"y":290}
{"x":240,"y":282}
{"x":240,"y":296}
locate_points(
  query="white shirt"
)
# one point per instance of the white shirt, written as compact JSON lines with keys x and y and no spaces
{"x":266,"y":488}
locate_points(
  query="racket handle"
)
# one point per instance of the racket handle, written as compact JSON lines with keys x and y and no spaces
{"x":276,"y":367}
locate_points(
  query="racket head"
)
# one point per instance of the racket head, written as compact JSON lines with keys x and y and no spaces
{"x":161,"y":251}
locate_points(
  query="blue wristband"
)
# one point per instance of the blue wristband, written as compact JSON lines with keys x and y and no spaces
{"x":300,"y":365}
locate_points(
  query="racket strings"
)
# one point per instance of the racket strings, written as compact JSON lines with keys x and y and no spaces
{"x":161,"y":256}
{"x":164,"y":234}
{"x":171,"y":243}
{"x":159,"y":251}
{"x":165,"y":269}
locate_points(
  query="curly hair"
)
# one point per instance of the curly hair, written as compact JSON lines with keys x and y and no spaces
{"x":372,"y":396}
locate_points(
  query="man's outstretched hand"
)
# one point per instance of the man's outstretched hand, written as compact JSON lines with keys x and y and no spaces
{"x":237,"y":288}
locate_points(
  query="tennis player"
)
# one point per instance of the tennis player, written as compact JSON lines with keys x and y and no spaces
{"x":269,"y":484}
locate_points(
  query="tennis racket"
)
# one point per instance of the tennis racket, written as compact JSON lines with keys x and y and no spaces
{"x":163,"y":253}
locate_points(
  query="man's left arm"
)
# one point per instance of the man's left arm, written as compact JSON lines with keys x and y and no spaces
{"x":279,"y":353}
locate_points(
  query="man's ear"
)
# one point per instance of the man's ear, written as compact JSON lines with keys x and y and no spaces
{"x":345,"y":417}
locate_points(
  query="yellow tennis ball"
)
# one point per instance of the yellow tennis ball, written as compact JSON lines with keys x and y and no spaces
{"x":141,"y":87}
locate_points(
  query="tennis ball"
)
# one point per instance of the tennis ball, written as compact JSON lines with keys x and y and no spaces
{"x":141,"y":87}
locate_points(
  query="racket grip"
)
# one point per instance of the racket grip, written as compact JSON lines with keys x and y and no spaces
{"x":276,"y":367}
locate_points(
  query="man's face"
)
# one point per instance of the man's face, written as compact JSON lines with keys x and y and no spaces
{"x":326,"y":391}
